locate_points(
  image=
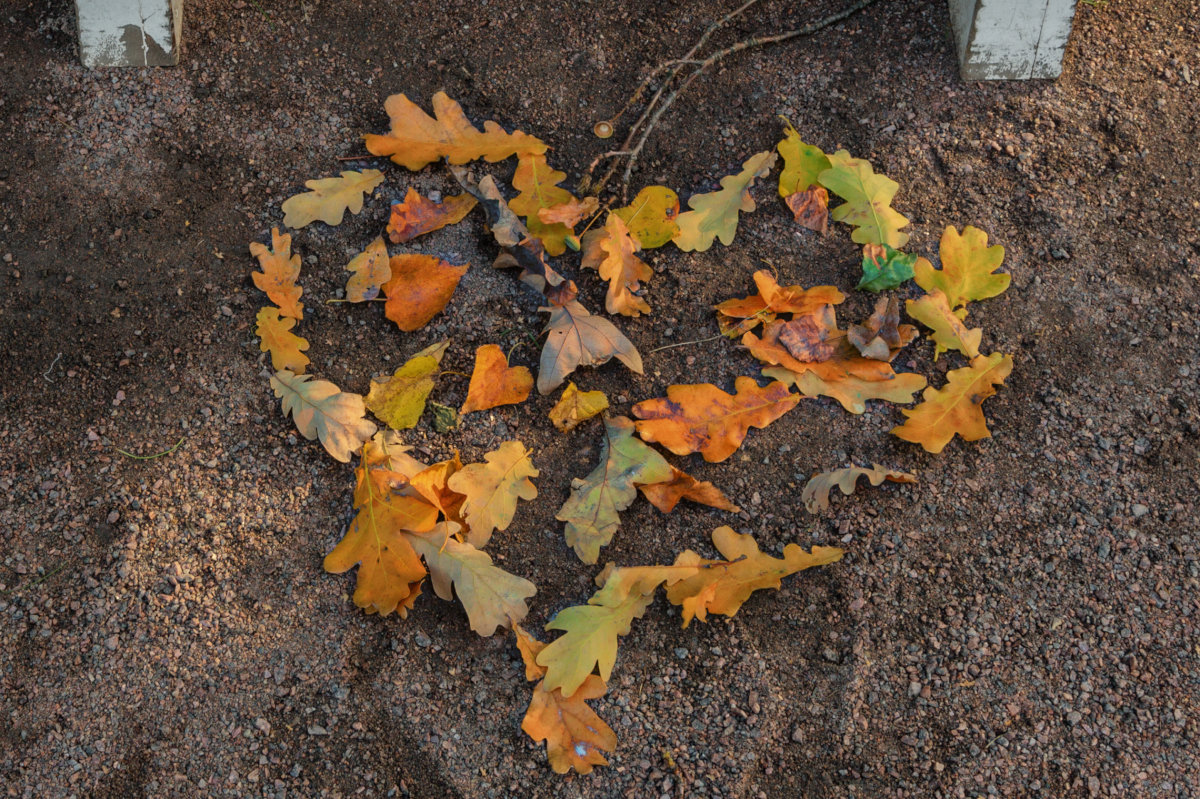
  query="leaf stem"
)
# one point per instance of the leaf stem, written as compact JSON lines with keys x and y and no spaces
{"x":684,"y":344}
{"x":151,"y":457}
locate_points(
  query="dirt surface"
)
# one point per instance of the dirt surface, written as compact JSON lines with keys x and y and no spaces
{"x":1021,"y":623}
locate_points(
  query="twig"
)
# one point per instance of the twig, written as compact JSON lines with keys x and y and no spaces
{"x":151,"y":457}
{"x":16,"y":589}
{"x":684,"y":344}
{"x":50,"y":368}
{"x":452,"y":372}
{"x":358,"y":157}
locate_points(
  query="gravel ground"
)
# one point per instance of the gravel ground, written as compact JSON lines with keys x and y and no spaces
{"x":1021,"y":623}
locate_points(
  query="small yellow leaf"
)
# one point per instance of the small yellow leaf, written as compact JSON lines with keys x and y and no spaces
{"x":399,"y":400}
{"x":956,"y":408}
{"x":575,"y":407}
{"x":279,"y":272}
{"x":968,"y":270}
{"x":652,"y":216}
{"x":330,"y":198}
{"x":286,"y":348}
{"x":715,"y":215}
{"x":949,"y":333}
{"x":370,"y":270}
{"x":538,"y":184}
{"x":493,"y":488}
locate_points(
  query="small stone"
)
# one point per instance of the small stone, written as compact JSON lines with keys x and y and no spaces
{"x":830,"y":654}
{"x":263,"y":725}
{"x":421,"y":639}
{"x":914,"y":689}
{"x":110,"y":643}
{"x":798,"y":735}
{"x":681,"y":652}
{"x":317,"y":729}
{"x":1139,"y":510}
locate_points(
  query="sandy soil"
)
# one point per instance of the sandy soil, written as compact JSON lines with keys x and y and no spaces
{"x":1021,"y":623}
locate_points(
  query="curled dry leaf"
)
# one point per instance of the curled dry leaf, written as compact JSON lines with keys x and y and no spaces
{"x":575,"y":338}
{"x":419,"y":288}
{"x":385,"y":451}
{"x":399,"y":400}
{"x":957,"y":406}
{"x":575,"y":407}
{"x":666,"y":495}
{"x":330,"y":198}
{"x":591,"y":512}
{"x":575,"y":736}
{"x":370,"y":269}
{"x":416,"y":139}
{"x":802,"y":164}
{"x":494,"y":382}
{"x":738,"y":316}
{"x":611,"y":252}
{"x":321,"y":410}
{"x":885,"y":268}
{"x":715,"y":215}
{"x":417,"y":215}
{"x":968,"y":270}
{"x":816,"y":490}
{"x":538,"y":183}
{"x":432,"y":484}
{"x":949,"y":333}
{"x":279,"y":272}
{"x":492,"y":490}
{"x":652,"y":217}
{"x":569,"y":213}
{"x":882,"y":336}
{"x":810,"y":208}
{"x":807,"y":337}
{"x":868,"y":198}
{"x":276,"y":336}
{"x":703,"y":418}
{"x":722,"y":587}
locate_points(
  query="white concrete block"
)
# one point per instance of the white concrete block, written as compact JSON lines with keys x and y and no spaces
{"x":129,"y":33}
{"x":1011,"y":39}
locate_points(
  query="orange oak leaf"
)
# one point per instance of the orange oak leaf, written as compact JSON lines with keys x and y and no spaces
{"x":738,"y":316}
{"x":807,"y":337}
{"x":494,"y":382}
{"x":611,"y":252}
{"x":723,"y":586}
{"x":816,"y":491}
{"x":703,"y":418}
{"x":370,"y":269}
{"x":432,"y":484}
{"x":417,"y":215}
{"x":537,"y":183}
{"x":419,"y":289}
{"x":666,"y":495}
{"x":276,"y":336}
{"x":569,"y":213}
{"x":957,"y":406}
{"x":279,"y":272}
{"x":810,"y":208}
{"x":492,"y":490}
{"x":881,"y":337}
{"x":417,"y":139}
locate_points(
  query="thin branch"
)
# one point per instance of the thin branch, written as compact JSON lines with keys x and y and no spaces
{"x":683,"y":344}
{"x":150,"y":457}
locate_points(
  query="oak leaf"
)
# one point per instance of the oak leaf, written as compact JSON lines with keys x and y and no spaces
{"x":399,"y":400}
{"x":432,"y":484}
{"x":802,"y":163}
{"x":703,"y":418}
{"x":740,"y":315}
{"x":492,"y":489}
{"x":577,"y":338}
{"x":417,"y":215}
{"x":575,"y":407}
{"x":276,"y":336}
{"x":491,"y":596}
{"x":417,"y":139}
{"x":723,"y":586}
{"x":949,"y":333}
{"x":611,"y":252}
{"x":882,"y":336}
{"x":330,"y":198}
{"x":279,"y":272}
{"x":810,"y":208}
{"x":652,"y":217}
{"x":419,"y":288}
{"x":575,"y":736}
{"x":885,"y":268}
{"x":494,"y":382}
{"x":868,"y":198}
{"x":321,"y":410}
{"x":715,"y":215}
{"x":816,"y":491}
{"x":591,"y":512}
{"x":370,"y":270}
{"x":807,"y":337}
{"x":968,"y":270}
{"x":666,"y":495}
{"x":386,"y":452}
{"x":957,"y":406}
{"x":538,"y":183}
{"x":570,"y":213}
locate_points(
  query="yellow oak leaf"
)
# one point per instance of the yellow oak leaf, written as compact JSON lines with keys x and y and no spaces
{"x":575,"y":736}
{"x":957,"y":406}
{"x":715,"y":215}
{"x":666,"y":495}
{"x":968,"y":270}
{"x":816,"y":491}
{"x":868,"y":198}
{"x":417,"y":139}
{"x":330,"y":198}
{"x":399,"y":400}
{"x":850,"y":390}
{"x":419,"y":288}
{"x":575,"y":407}
{"x":949,"y":333}
{"x":591,"y":512}
{"x":416,"y":215}
{"x":537,"y":183}
{"x":494,"y":382}
{"x":574,"y":338}
{"x":369,"y":270}
{"x":276,"y":336}
{"x":492,"y":490}
{"x":321,"y":410}
{"x":530,"y":648}
{"x":722,"y":587}
{"x":703,"y":418}
{"x":652,"y":216}
{"x":802,"y":163}
{"x":279,"y":272}
{"x":611,"y":252}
